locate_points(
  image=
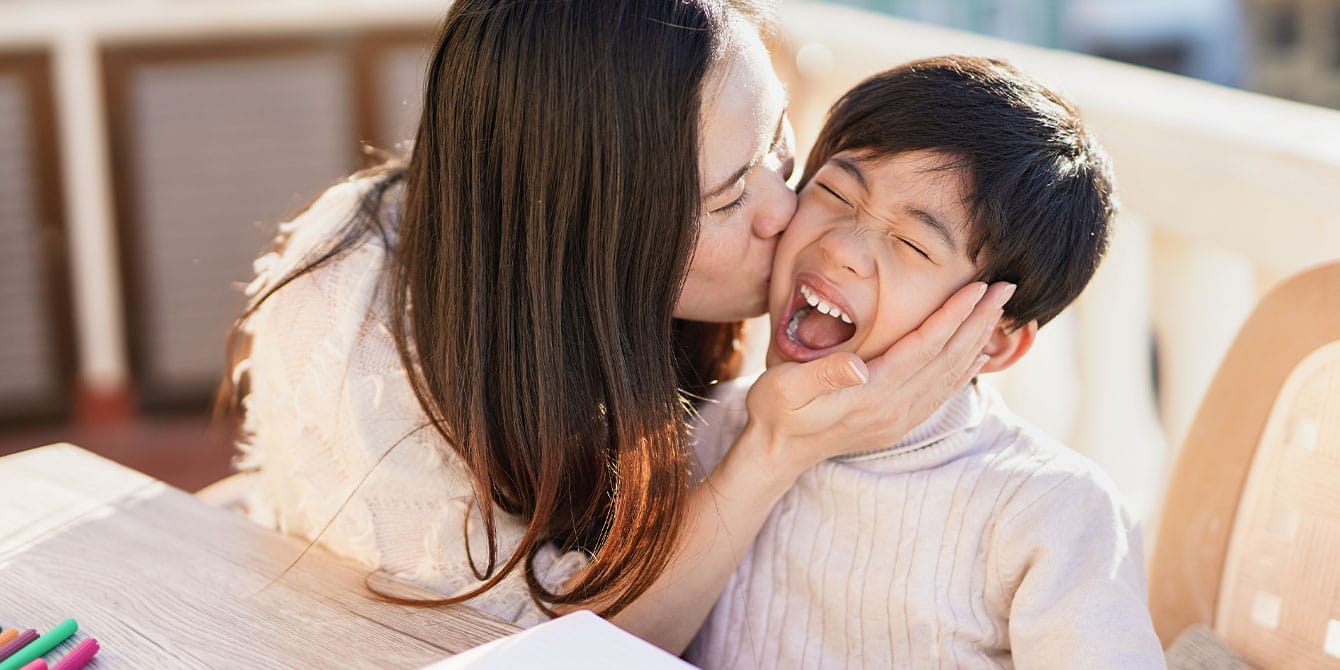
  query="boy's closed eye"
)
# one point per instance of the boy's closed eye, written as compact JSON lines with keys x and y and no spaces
{"x":834,"y":193}
{"x":905,"y":241}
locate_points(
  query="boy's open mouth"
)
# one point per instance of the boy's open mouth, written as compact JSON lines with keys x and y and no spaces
{"x":815,"y":322}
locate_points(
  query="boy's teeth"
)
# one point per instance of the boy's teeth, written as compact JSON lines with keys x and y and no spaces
{"x":822,"y":305}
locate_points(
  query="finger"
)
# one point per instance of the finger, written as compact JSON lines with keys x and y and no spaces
{"x":918,"y":348}
{"x":918,"y":399}
{"x":922,"y":405}
{"x":972,"y":336}
{"x":961,"y":357}
{"x":953,"y":367}
{"x":834,"y":372}
{"x":998,"y":294}
{"x":972,"y":371}
{"x":796,"y":385}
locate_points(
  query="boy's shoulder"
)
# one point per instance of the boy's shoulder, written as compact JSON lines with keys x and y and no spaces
{"x":1048,"y":472}
{"x":1065,"y":557}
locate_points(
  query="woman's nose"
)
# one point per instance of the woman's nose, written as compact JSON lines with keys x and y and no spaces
{"x":779,"y":201}
{"x":843,"y":247}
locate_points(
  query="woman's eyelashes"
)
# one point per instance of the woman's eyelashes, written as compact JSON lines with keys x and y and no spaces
{"x":774,"y":150}
{"x":732,"y":206}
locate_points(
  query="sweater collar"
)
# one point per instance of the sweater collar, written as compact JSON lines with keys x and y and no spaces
{"x":950,"y":432}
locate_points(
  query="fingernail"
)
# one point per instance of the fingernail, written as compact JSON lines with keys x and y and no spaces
{"x":977,"y":366}
{"x":860,"y":374}
{"x":981,"y":289}
{"x":1005,"y":295}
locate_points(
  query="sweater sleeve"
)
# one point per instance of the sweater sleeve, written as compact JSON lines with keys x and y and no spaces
{"x":1070,"y":568}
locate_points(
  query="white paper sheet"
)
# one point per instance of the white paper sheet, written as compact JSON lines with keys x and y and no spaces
{"x":577,"y":641}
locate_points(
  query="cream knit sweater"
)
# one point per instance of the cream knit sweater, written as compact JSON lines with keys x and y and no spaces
{"x":974,"y":542}
{"x":328,"y":397}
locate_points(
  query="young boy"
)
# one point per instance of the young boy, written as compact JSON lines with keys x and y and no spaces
{"x":975,"y":541}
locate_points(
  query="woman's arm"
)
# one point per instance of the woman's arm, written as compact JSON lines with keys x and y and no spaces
{"x":799,"y":415}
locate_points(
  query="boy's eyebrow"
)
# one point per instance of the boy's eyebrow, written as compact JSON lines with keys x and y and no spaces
{"x":940,"y":228}
{"x":851,"y":168}
{"x":744,"y":170}
{"x":943,"y":230}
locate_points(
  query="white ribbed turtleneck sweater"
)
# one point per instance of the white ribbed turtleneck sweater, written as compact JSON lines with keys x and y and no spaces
{"x":975,"y":541}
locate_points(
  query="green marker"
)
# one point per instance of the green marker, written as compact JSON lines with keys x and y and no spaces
{"x":41,"y":645}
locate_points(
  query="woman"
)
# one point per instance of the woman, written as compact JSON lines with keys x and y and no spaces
{"x":467,"y":370}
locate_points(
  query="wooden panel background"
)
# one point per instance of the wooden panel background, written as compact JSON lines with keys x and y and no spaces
{"x":37,"y":359}
{"x":390,"y":68}
{"x":213,"y":145}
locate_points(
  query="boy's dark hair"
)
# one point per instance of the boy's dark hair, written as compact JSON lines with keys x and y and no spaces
{"x":1039,"y":185}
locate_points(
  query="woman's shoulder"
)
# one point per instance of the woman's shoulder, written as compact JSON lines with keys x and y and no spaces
{"x":375,"y":194}
{"x":336,"y":223}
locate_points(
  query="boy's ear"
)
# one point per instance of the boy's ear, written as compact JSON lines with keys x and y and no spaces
{"x":1008,"y":344}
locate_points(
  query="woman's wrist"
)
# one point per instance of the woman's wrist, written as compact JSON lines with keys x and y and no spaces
{"x":757,"y":465}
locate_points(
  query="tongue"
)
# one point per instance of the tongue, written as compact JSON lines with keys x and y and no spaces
{"x":820,"y":331}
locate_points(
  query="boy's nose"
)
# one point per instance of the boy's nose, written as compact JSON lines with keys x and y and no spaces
{"x":843,"y":247}
{"x":778,"y":201}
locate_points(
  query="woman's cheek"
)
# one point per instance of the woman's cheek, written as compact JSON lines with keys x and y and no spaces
{"x":729,"y":247}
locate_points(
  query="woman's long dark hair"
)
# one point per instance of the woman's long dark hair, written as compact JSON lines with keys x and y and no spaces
{"x":549,"y":214}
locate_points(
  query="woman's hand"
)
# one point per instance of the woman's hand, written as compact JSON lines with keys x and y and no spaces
{"x":803,"y":413}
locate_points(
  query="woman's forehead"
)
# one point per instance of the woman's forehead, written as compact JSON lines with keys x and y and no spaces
{"x":742,"y":104}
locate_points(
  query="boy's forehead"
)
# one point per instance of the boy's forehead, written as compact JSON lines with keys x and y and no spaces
{"x":940,"y":164}
{"x":927,"y":186}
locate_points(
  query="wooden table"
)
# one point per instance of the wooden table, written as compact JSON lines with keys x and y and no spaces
{"x":164,"y":580}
